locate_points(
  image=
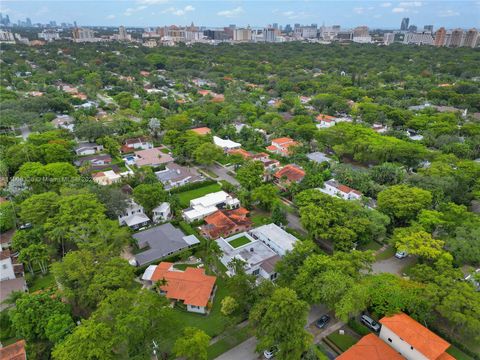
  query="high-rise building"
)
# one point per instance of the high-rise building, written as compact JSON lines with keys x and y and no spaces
{"x":288,"y":28}
{"x":456,"y":39}
{"x":404,"y":24}
{"x":360,"y":31}
{"x":7,"y":37}
{"x":388,"y":38}
{"x":428,"y":28}
{"x":242,"y":34}
{"x":269,"y":35}
{"x":471,"y":38}
{"x":83,"y":35}
{"x":28,"y":22}
{"x":418,"y":38}
{"x":440,"y":37}
{"x":49,"y":35}
{"x":123,"y":35}
{"x":412,"y":28}
{"x":275,"y":26}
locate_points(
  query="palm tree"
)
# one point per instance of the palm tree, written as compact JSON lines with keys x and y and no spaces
{"x":158,"y":284}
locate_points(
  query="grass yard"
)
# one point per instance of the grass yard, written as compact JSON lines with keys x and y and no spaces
{"x":343,"y":342}
{"x":229,"y":342}
{"x":387,"y":254}
{"x":186,"y":196}
{"x":372,"y":245}
{"x":41,"y":282}
{"x":242,"y":240}
{"x":458,"y":354}
{"x":214,"y":323}
{"x":259,"y":219}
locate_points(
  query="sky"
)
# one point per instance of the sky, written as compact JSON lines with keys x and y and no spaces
{"x":375,"y":14}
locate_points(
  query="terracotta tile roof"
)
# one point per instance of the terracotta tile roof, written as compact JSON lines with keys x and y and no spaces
{"x":202,"y":130}
{"x":370,"y":347}
{"x":291,"y":172}
{"x":445,"y":356}
{"x":271,"y":148}
{"x":15,"y":351}
{"x":422,"y":339}
{"x":324,"y":117}
{"x":192,"y":285}
{"x":152,"y":157}
{"x":226,"y":222}
{"x":244,"y":153}
{"x":282,"y":141}
{"x":219,"y":98}
{"x":204,"y":92}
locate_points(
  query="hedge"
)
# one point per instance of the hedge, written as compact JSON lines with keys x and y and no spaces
{"x":192,"y":186}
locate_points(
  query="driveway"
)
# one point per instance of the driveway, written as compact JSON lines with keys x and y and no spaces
{"x":392,"y":265}
{"x":244,"y":351}
{"x":222,"y":174}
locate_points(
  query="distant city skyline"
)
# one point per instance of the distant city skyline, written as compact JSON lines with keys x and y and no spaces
{"x":145,"y":13}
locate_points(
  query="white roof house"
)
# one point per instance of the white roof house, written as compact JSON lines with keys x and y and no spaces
{"x":208,"y":204}
{"x":134,"y":216}
{"x":275,"y":238}
{"x":226,"y":144}
{"x":334,"y":188}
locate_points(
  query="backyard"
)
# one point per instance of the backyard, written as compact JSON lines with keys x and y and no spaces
{"x":186,"y":196}
{"x":240,"y":241}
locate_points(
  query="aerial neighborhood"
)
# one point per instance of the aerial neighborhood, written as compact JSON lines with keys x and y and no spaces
{"x":294,"y":200}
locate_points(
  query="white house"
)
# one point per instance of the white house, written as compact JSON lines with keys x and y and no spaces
{"x":64,"y":122}
{"x":412,"y":340}
{"x":134,"y":216}
{"x":11,"y":277}
{"x":258,"y":258}
{"x":162,"y":212}
{"x":275,"y":238}
{"x":88,"y":148}
{"x":226,"y":144}
{"x":333,"y":188}
{"x":140,"y":143}
{"x":208,"y":204}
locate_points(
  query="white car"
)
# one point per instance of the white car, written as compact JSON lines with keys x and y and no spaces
{"x":401,"y":254}
{"x":270,"y":353}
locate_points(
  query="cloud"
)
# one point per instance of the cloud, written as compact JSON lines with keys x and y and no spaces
{"x":292,"y":15}
{"x":399,"y":10}
{"x":111,"y":17}
{"x":152,"y":2}
{"x":359,"y":10}
{"x":231,"y":13}
{"x":386,"y":4}
{"x":410,"y":4}
{"x":131,"y":11}
{"x":178,"y":12}
{"x":448,"y":13}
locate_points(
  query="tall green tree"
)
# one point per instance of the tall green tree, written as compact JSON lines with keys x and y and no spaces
{"x":192,"y":345}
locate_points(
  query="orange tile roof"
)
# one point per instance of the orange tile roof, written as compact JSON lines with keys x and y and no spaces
{"x":370,"y":347}
{"x":346,"y":189}
{"x":223,"y":222}
{"x":445,"y":356}
{"x":219,"y":98}
{"x":244,"y":153}
{"x":282,"y":141}
{"x":291,"y":172}
{"x":271,"y":148}
{"x":422,"y":339}
{"x":192,"y":285}
{"x":202,"y":130}
{"x":325,"y":117}
{"x":15,"y":351}
{"x":204,"y":92}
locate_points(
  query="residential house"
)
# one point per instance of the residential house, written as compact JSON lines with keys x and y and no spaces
{"x":226,"y":145}
{"x":87,"y":149}
{"x":11,"y":276}
{"x":325,"y":121}
{"x":413,"y":135}
{"x":97,"y":159}
{"x":152,"y":157}
{"x":176,"y":175}
{"x":201,"y":130}
{"x":140,"y":143}
{"x":281,"y":146}
{"x":379,"y":128}
{"x":289,"y":174}
{"x":107,"y":177}
{"x":319,"y":157}
{"x":160,"y":242}
{"x":64,"y":122}
{"x":370,"y":347}
{"x":134,"y":216}
{"x":161,"y":213}
{"x":264,"y":158}
{"x":226,"y":223}
{"x":15,"y":351}
{"x":275,"y":238}
{"x":208,"y":204}
{"x":334,"y":188}
{"x":258,"y":258}
{"x":412,"y":340}
{"x":191,"y":287}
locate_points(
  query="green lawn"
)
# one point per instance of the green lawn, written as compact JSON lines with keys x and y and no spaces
{"x":343,"y":342}
{"x":387,"y":254}
{"x":186,"y":196}
{"x":214,"y":323}
{"x":229,"y":342}
{"x":242,"y":240}
{"x":184,"y":266}
{"x":458,"y":354}
{"x":41,"y":282}
{"x":259,"y":219}
{"x":372,"y":245}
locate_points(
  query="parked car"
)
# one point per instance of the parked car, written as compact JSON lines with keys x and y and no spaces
{"x":25,"y":226}
{"x":370,"y":323}
{"x":322,"y":322}
{"x":270,"y":353}
{"x":401,"y":254}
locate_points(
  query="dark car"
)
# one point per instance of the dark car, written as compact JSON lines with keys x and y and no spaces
{"x":322,"y":322}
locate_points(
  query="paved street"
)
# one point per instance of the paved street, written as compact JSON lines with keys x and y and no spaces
{"x":244,"y":351}
{"x":222,"y":174}
{"x":391,"y":265}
